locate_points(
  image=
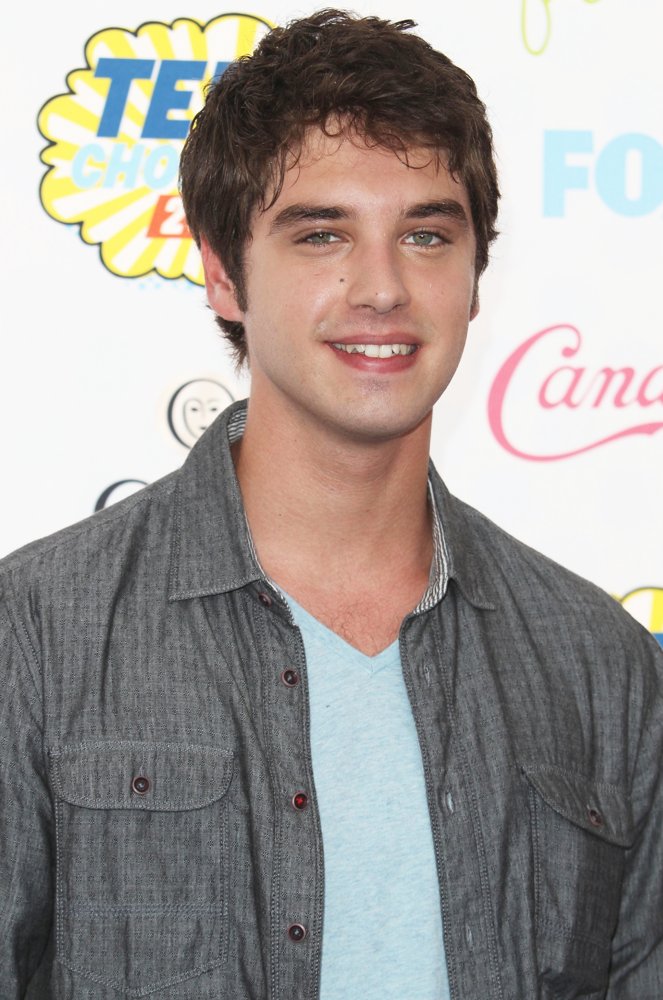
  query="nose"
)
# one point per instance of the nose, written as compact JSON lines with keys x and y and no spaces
{"x":377,"y":279}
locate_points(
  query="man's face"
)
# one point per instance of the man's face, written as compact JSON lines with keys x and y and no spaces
{"x":360,"y":284}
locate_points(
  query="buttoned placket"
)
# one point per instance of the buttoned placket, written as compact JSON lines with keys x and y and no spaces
{"x":271,"y":597}
{"x":470,"y":946}
{"x":297,"y":903}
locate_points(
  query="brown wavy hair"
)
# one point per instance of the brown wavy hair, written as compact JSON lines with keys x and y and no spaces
{"x":337,"y":72}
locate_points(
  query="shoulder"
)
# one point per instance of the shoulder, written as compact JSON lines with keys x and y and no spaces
{"x":82,"y":550}
{"x":537,"y":593}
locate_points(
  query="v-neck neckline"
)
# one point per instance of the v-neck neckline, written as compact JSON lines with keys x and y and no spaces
{"x":373,"y":663}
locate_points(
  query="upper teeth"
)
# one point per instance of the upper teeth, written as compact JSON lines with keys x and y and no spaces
{"x":376,"y":350}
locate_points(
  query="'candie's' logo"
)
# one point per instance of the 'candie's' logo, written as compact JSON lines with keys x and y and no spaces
{"x":571,"y":408}
{"x":116,"y":138}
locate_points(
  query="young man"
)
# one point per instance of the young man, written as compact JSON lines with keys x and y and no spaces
{"x":294,"y":723}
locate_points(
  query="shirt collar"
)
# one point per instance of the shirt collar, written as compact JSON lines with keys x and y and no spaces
{"x":212,"y":551}
{"x":463,"y":543}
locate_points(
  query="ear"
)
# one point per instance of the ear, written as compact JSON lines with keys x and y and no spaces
{"x":220,"y":289}
{"x":474,"y":308}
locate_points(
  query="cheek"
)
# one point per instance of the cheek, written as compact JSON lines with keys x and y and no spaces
{"x":303,"y":300}
{"x":462,"y":297}
{"x":446,"y":304}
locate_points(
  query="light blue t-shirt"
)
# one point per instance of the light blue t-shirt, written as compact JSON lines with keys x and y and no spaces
{"x":382,"y":933}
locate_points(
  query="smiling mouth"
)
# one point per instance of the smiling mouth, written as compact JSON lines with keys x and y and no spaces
{"x":377,"y":350}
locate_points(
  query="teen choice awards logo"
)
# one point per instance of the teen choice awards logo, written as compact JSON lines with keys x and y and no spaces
{"x":646,"y":605}
{"x":115,"y":138}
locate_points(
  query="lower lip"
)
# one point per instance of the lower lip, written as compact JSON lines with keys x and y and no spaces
{"x":379,"y":366}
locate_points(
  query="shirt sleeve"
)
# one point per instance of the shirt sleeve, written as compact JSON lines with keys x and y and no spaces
{"x":26,"y":818}
{"x":637,"y":953}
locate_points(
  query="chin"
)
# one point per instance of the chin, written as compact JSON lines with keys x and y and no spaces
{"x":388,"y":427}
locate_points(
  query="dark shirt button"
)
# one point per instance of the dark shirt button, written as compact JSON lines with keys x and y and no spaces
{"x":264,"y":598}
{"x":140,"y":785}
{"x":300,"y":800}
{"x":595,"y":817}
{"x":290,"y":678}
{"x":296,"y":932}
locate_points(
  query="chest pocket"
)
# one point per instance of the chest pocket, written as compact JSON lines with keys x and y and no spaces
{"x":142,"y":863}
{"x":580,"y":832}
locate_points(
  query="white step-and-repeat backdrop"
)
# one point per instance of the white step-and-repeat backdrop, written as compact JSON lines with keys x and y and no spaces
{"x":111,"y":363}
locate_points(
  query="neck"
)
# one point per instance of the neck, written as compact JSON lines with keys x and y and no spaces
{"x":316,"y":498}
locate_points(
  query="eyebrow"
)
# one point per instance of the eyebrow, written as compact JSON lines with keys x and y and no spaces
{"x":307,"y":213}
{"x":448,"y":208}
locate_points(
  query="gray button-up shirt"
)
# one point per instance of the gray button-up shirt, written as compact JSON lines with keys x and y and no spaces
{"x":154,"y":726}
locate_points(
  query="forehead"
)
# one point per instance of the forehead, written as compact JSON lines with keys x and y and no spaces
{"x":350,"y":169}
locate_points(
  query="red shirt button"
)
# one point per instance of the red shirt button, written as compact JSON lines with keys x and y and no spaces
{"x":300,"y":800}
{"x":296,"y":932}
{"x":290,"y":678}
{"x":595,"y":817}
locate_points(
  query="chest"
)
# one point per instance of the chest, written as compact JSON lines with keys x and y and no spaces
{"x":369,"y":618}
{"x":368,"y":628}
{"x":215,"y":699}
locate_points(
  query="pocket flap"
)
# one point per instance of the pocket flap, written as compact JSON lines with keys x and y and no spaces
{"x":598,"y":807}
{"x":117,"y":774}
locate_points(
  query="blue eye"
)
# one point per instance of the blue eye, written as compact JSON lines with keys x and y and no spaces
{"x":320,"y":238}
{"x":425,"y":239}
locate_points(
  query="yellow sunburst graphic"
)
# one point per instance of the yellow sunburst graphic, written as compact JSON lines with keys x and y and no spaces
{"x":116,"y":138}
{"x":646,"y":605}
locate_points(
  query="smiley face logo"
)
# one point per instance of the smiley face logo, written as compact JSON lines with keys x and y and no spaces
{"x":194,"y":406}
